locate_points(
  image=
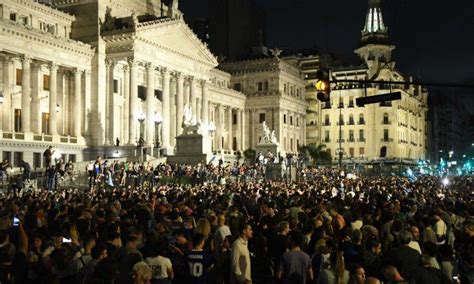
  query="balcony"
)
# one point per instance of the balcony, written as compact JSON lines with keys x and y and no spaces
{"x":340,"y":105}
{"x":361,"y":140}
{"x":350,"y":122}
{"x":340,"y":123}
{"x":361,"y":122}
{"x":351,"y":139}
{"x":386,"y":139}
{"x":386,"y":122}
{"x":326,"y":123}
{"x":351,"y":105}
{"x":341,"y":140}
{"x":327,"y":140}
{"x":386,"y":104}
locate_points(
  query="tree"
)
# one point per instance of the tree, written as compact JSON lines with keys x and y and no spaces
{"x":250,"y":155}
{"x":317,"y":153}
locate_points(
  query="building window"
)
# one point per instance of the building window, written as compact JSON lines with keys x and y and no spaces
{"x":234,"y":143}
{"x":351,"y":119}
{"x":116,"y":87}
{"x":385,"y":119}
{"x":284,"y":118}
{"x":266,"y":85}
{"x":361,"y":119}
{"x":351,"y":135}
{"x":234,"y":119}
{"x":291,"y":120}
{"x":291,"y":144}
{"x":326,"y":137}
{"x":385,"y":134}
{"x":24,"y":20}
{"x":17,"y":158}
{"x":237,"y":87}
{"x":141,"y":92}
{"x":260,"y":86}
{"x":351,"y":152}
{"x":361,"y":135}
{"x":13,"y":17}
{"x":7,"y":156}
{"x":17,"y":120}
{"x":72,"y":158}
{"x":297,"y":122}
{"x":45,"y":122}
{"x":351,"y":102}
{"x":285,"y":88}
{"x":159,"y":95}
{"x":261,"y":117}
{"x":19,"y":75}
{"x":297,"y":93}
{"x":46,"y":82}
{"x":36,"y":160}
{"x":361,"y":151}
{"x":326,"y":120}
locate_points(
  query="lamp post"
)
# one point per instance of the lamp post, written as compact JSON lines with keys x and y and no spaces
{"x":158,"y":120}
{"x":141,"y":118}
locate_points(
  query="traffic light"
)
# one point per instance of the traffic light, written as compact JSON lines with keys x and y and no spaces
{"x":323,"y":87}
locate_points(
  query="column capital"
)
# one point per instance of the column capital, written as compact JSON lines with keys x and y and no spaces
{"x":203,"y":82}
{"x":78,"y":70}
{"x":109,"y":62}
{"x":86,"y":72}
{"x":35,"y":66}
{"x":149,"y":66}
{"x":132,"y":61}
{"x":191,"y":79}
{"x":178,"y":75}
{"x":53,"y":66}
{"x":164,"y":71}
{"x":25,"y":58}
{"x":125,"y":68}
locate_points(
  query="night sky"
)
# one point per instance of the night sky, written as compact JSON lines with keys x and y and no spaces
{"x":434,"y":39}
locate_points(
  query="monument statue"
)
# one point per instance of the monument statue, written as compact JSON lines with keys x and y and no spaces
{"x":273,"y":137}
{"x":266,"y":134}
{"x":190,"y":125}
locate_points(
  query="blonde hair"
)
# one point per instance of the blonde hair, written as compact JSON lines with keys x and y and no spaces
{"x":143,"y":269}
{"x":203,"y":226}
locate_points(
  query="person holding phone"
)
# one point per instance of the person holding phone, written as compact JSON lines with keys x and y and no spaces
{"x":14,"y":267}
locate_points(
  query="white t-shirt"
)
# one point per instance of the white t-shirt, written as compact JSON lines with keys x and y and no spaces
{"x":160,"y":266}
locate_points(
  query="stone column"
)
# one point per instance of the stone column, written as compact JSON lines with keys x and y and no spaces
{"x":230,"y":136}
{"x":77,"y":102}
{"x":35,"y":98}
{"x":166,"y":112}
{"x":150,"y":95}
{"x":126,"y":102}
{"x":86,"y":102}
{"x":243,"y":130}
{"x":109,"y":138}
{"x":173,"y":113}
{"x":253,"y":125}
{"x":219,"y":126}
{"x":186,"y":94}
{"x":179,"y":102}
{"x":25,"y":94}
{"x":204,"y":103}
{"x":238,"y":129}
{"x":193,"y":97}
{"x":7,"y":96}
{"x":132,"y":121}
{"x":53,"y":98}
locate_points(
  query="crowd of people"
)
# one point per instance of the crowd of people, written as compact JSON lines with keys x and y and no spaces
{"x":324,"y":228}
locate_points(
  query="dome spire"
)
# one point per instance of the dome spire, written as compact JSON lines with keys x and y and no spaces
{"x":374,"y":30}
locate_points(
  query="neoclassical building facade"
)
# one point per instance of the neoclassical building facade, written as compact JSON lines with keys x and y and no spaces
{"x":391,"y":130}
{"x":94,"y":77}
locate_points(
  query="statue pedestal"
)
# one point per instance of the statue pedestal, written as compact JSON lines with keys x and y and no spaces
{"x":275,"y":149}
{"x":192,"y":149}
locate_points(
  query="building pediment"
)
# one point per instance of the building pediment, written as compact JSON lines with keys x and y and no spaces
{"x":176,"y":37}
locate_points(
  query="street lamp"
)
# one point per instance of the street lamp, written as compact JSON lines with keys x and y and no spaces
{"x":141,"y":118}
